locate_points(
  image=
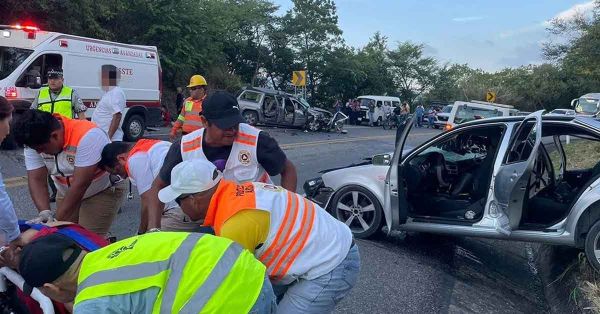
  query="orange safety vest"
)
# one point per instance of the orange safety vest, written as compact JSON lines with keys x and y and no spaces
{"x":189,"y":118}
{"x":142,"y":146}
{"x":62,"y":166}
{"x":303,"y":239}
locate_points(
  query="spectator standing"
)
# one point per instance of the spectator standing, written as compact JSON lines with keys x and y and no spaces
{"x":109,"y":111}
{"x":430,"y":115}
{"x":355,"y":110}
{"x":337,"y":106}
{"x":419,"y":112}
{"x":371,"y":112}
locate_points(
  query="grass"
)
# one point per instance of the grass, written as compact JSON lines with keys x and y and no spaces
{"x":581,"y":154}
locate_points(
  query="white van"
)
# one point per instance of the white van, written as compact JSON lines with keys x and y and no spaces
{"x":26,"y":48}
{"x":463,"y":111}
{"x":380,"y":101}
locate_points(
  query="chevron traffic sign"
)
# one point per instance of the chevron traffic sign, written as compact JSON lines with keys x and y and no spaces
{"x":299,"y":78}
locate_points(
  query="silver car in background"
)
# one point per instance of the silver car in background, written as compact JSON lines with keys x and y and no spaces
{"x":513,"y":178}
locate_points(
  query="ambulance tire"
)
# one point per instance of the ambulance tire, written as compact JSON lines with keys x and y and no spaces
{"x":134,"y":128}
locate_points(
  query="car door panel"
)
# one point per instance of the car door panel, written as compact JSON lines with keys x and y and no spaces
{"x":512,"y":179}
{"x":395,"y":206}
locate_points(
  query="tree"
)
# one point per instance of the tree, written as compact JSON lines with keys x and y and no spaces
{"x":313,"y":28}
{"x":413,"y":73}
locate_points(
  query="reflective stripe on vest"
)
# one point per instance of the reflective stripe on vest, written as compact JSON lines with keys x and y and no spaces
{"x":62,"y":166}
{"x":161,"y":259}
{"x":290,"y":233}
{"x":242,"y":164}
{"x":62,"y":104}
{"x":191,"y":115}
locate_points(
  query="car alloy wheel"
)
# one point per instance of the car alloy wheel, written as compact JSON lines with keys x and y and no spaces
{"x":592,"y":246}
{"x":251,"y":117}
{"x":359,"y":209}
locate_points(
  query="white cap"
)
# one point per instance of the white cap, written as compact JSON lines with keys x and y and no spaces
{"x":189,"y":177}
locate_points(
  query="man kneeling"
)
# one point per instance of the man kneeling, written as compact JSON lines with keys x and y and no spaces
{"x":145,"y":274}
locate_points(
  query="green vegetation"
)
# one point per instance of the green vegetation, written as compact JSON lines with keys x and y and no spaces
{"x":247,"y":42}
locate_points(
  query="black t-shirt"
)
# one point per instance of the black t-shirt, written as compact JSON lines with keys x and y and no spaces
{"x":269,"y":154}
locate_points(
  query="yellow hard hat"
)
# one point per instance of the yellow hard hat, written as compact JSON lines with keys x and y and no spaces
{"x":197,"y":80}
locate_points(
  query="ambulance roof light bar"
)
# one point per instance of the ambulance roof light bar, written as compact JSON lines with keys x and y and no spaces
{"x":27,"y":28}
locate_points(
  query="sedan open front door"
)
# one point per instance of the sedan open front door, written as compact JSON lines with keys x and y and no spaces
{"x":395,"y":208}
{"x":511,"y":184}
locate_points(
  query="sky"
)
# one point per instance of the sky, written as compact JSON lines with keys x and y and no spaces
{"x":486,"y":34}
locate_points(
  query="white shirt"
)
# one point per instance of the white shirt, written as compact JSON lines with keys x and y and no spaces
{"x":89,"y":153}
{"x":145,"y":166}
{"x":110,"y":104}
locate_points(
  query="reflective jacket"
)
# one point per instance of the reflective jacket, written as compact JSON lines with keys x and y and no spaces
{"x":303,"y":241}
{"x":62,"y":104}
{"x":189,"y":118}
{"x":61,"y":167}
{"x":195,"y":272}
{"x":242,"y":164}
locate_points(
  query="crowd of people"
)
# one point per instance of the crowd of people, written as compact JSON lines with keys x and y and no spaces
{"x":215,"y":233}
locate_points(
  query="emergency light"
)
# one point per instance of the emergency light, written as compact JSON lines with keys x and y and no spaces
{"x":10,"y":92}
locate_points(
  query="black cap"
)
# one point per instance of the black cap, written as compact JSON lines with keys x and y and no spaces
{"x":55,"y":73}
{"x":42,"y":260}
{"x":222,"y":109}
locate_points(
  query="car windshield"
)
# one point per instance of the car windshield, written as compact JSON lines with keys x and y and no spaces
{"x":364,"y":102}
{"x":468,"y":113}
{"x":10,"y":59}
{"x":447,"y":109}
{"x":558,"y":111}
{"x":587,"y":106}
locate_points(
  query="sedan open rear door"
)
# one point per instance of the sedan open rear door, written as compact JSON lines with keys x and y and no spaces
{"x":395,"y":207}
{"x":511,"y":184}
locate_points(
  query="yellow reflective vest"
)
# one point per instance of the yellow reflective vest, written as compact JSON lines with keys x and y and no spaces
{"x":195,"y":272}
{"x":62,"y":104}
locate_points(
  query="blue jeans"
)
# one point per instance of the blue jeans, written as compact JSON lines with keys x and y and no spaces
{"x":266,"y":301}
{"x":320,"y":295}
{"x":371,"y":118}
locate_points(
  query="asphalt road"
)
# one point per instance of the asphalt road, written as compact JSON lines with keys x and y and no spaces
{"x":401,"y":273}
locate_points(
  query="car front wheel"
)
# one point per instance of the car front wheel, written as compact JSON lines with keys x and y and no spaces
{"x":134,"y":128}
{"x":251,"y":117}
{"x":592,"y":246}
{"x":359,"y":209}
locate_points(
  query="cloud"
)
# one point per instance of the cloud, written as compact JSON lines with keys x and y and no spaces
{"x":576,"y":11}
{"x":521,"y":31}
{"x":466,"y":19}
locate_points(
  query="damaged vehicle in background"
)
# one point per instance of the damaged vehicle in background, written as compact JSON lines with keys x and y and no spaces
{"x":277,"y":108}
{"x":512,"y":178}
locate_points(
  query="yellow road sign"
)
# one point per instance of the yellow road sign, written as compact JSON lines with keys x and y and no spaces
{"x":299,"y":78}
{"x":490,"y":96}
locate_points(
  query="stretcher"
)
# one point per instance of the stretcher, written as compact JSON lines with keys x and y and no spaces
{"x":12,"y":276}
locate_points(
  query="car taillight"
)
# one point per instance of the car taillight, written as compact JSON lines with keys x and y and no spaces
{"x":447,"y":127}
{"x":10,"y":92}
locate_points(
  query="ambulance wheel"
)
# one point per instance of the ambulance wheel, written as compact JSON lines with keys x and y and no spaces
{"x":251,"y":117}
{"x":134,"y":128}
{"x":359,"y":209}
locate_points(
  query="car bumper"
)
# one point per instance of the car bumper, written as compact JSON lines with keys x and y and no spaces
{"x":316,"y":191}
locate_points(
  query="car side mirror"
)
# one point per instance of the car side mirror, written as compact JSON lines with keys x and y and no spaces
{"x":34,"y":81}
{"x":382,"y":160}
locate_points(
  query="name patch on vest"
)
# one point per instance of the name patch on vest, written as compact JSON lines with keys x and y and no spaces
{"x":244,"y":157}
{"x":122,"y":249}
{"x":241,"y":190}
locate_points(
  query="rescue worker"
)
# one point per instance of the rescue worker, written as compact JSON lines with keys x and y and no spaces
{"x":69,"y":150}
{"x":59,"y":98}
{"x":310,"y":256}
{"x":145,"y":274}
{"x":189,"y":118}
{"x":242,"y":152}
{"x":141,"y":162}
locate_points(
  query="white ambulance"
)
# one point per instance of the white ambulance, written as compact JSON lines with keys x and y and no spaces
{"x":26,"y":50}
